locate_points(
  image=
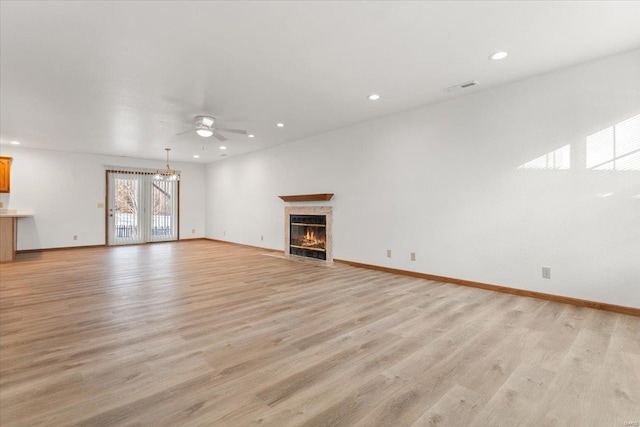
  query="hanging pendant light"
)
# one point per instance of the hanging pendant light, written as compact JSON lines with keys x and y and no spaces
{"x":167,"y":174}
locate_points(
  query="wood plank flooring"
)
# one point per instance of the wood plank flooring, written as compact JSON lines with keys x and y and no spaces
{"x":210,"y":334}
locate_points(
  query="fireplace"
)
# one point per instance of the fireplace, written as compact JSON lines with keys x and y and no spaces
{"x":308,"y":232}
{"x":308,"y":236}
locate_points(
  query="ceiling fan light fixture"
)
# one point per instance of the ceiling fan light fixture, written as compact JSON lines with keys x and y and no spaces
{"x":205,"y":126}
{"x":205,"y":120}
{"x":205,"y":133}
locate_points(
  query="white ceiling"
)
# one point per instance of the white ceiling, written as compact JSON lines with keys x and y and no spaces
{"x":122,"y":78}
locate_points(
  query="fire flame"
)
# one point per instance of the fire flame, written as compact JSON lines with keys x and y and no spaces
{"x":310,"y":239}
{"x":310,"y":235}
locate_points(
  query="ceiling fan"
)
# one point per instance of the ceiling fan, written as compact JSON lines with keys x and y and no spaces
{"x":205,"y":127}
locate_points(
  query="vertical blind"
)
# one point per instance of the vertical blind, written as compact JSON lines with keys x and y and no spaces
{"x":140,"y":207}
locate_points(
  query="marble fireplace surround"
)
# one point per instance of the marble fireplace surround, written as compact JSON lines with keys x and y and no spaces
{"x":309,"y":210}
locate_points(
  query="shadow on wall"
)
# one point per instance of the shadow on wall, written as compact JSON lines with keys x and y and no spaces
{"x":616,"y":148}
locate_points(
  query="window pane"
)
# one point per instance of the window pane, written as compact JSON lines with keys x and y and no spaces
{"x":163,"y":200}
{"x":127,"y":196}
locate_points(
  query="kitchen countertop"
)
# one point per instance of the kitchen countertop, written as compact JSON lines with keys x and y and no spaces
{"x":14,"y":213}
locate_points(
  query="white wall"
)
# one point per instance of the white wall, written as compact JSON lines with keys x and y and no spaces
{"x":444,"y":181}
{"x":63,"y":191}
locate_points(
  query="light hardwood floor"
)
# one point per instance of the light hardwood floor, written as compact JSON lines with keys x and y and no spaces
{"x":211,"y":334}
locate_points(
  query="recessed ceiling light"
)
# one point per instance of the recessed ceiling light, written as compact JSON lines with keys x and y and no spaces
{"x":195,"y":156}
{"x":280,"y":125}
{"x":222,"y":147}
{"x":498,"y":55}
{"x":373,"y":97}
{"x":251,"y":136}
{"x":14,"y":143}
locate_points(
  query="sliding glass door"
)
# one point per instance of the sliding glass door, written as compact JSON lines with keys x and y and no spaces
{"x":141,"y":208}
{"x":164,"y":218}
{"x":125,"y":221}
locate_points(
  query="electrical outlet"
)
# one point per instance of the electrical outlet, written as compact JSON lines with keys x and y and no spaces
{"x":261,"y":237}
{"x":388,"y":253}
{"x":224,"y":233}
{"x":546,"y":273}
{"x":100,"y":205}
{"x":193,"y":231}
{"x":75,"y":237}
{"x":413,"y":256}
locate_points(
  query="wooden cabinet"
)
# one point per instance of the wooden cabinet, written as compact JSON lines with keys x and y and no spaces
{"x":9,"y":234}
{"x":8,"y":241}
{"x":5,"y":174}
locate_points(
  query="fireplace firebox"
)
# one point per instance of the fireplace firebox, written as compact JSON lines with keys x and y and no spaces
{"x":307,"y":232}
{"x":308,"y":236}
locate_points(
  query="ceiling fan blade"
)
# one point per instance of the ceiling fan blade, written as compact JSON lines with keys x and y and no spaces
{"x":241,"y":132}
{"x":219,"y":136}
{"x":186,"y":131}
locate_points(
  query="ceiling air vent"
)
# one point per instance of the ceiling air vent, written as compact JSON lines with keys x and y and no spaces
{"x":461,"y":86}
